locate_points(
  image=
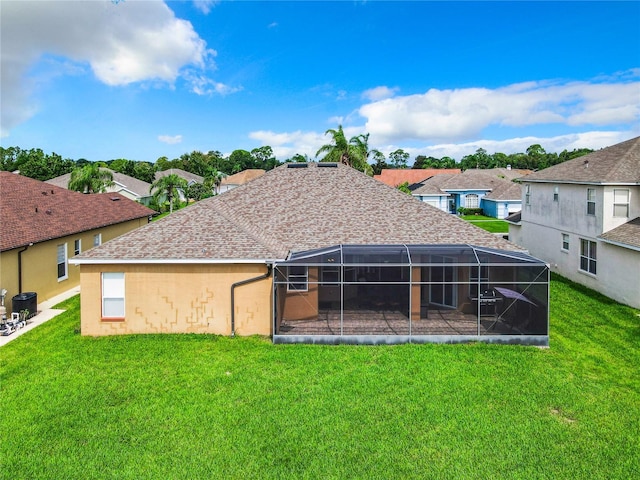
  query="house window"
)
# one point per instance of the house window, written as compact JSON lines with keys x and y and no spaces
{"x":113,"y":295}
{"x":527,"y":194}
{"x":471,"y":201}
{"x":330,"y":274}
{"x":591,"y":201}
{"x":298,"y":279}
{"x":62,"y":262}
{"x":565,"y":241}
{"x":97,"y":239}
{"x":473,"y":280}
{"x":77,"y":247}
{"x":588,"y":256}
{"x":620,"y":203}
{"x":555,"y":194}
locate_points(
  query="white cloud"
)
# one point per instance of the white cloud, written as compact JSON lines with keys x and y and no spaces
{"x":379,"y":93}
{"x":205,"y":6}
{"x":460,"y":114}
{"x":123,"y":43}
{"x":272,"y":25}
{"x":171,"y":140}
{"x":202,"y":85}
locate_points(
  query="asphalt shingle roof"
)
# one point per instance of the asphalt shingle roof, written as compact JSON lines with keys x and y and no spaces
{"x":619,"y":163}
{"x":135,"y":186}
{"x":33,"y":211}
{"x":242,"y":177}
{"x":628,"y":233}
{"x":295,"y":208}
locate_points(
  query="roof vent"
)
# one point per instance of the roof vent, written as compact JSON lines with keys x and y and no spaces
{"x":115,"y":199}
{"x":296,"y":165}
{"x":328,"y":164}
{"x":586,"y":164}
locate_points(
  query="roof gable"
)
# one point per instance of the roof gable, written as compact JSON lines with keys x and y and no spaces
{"x":242,"y":177}
{"x":618,"y":164}
{"x":34,"y":211}
{"x":294,"y":208}
{"x":396,"y":176}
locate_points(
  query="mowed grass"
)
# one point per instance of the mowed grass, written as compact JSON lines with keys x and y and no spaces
{"x":489,"y":224}
{"x":200,"y":406}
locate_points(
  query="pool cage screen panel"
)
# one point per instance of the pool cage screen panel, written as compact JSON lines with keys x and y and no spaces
{"x":417,"y":293}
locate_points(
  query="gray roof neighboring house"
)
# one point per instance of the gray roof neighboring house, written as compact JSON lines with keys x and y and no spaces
{"x":505,"y":191}
{"x":514,"y":218}
{"x":618,"y":164}
{"x":627,"y":234}
{"x":188,"y":176}
{"x":499,"y":181}
{"x":294,"y":207}
{"x":123,"y":184}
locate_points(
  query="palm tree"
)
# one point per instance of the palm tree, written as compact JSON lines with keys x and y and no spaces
{"x":90,"y":179}
{"x":168,"y":187}
{"x":213,"y":179}
{"x":354,"y":152}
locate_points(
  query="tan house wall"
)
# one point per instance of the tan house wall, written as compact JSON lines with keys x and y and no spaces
{"x":303,"y":305}
{"x":168,"y":298}
{"x":40,"y":263}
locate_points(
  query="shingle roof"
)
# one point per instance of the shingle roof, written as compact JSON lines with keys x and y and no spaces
{"x":619,"y":163}
{"x":242,"y":177}
{"x":496,"y":180}
{"x":505,"y":191}
{"x":295,"y":209}
{"x":431,"y":186}
{"x":514,"y":218}
{"x":188,"y":176}
{"x":33,"y":211}
{"x":628,"y":233}
{"x":395,"y":177}
{"x":135,"y":186}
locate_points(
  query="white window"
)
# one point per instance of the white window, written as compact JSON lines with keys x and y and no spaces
{"x":471,"y":201}
{"x":77,"y":247}
{"x":556,"y":193}
{"x":113,"y":295}
{"x":62,"y":262}
{"x":588,"y":256}
{"x":527,"y":194}
{"x":565,"y":241}
{"x":591,"y":201}
{"x":298,"y":279}
{"x":97,"y":239}
{"x":620,"y":203}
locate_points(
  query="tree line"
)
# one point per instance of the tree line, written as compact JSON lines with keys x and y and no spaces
{"x":214,"y":166}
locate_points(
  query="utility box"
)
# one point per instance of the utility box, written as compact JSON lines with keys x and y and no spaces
{"x":25,"y":301}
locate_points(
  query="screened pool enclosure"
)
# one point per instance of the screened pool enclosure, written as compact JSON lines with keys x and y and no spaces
{"x":411,"y":293}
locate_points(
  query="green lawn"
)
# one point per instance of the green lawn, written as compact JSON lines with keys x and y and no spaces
{"x":200,"y":406}
{"x":489,"y":224}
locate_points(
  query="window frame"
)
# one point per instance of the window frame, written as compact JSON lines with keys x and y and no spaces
{"x":115,"y":283}
{"x":62,"y":263}
{"x":565,"y":242}
{"x":621,"y":204}
{"x":556,"y":193}
{"x":527,"y":194}
{"x":591,"y":202}
{"x":77,"y":246}
{"x":588,"y":256}
{"x":97,"y":239}
{"x":301,"y":279}
{"x":475,"y":200}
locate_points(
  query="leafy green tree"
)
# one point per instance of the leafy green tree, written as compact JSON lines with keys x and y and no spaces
{"x":124,"y":166}
{"x":263,"y":158}
{"x":404,"y":188}
{"x":399,"y":158}
{"x":380,"y":162}
{"x":168,"y":187}
{"x":240,"y":160}
{"x":213,"y":180}
{"x":90,"y":179}
{"x":144,"y":171}
{"x":199,"y":191}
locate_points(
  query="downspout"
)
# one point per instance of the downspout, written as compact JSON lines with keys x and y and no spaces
{"x":20,"y":252}
{"x":233,"y":296}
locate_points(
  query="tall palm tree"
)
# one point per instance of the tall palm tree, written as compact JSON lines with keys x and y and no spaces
{"x":168,"y":187}
{"x":354,"y":152}
{"x":90,"y":179}
{"x":213,"y":179}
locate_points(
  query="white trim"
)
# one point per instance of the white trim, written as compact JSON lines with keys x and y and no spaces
{"x":619,"y":244}
{"x":65,"y":262}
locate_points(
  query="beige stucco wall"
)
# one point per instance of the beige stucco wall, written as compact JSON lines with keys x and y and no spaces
{"x":40,"y":263}
{"x":183,"y":298}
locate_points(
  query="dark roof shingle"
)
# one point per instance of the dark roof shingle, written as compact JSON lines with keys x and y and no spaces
{"x":33,"y":211}
{"x":627,"y":233}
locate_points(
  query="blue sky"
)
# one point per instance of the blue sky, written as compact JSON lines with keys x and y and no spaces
{"x":144,"y":79}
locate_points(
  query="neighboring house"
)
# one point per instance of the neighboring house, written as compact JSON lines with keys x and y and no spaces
{"x":191,"y":178}
{"x":240,"y":178}
{"x":316,"y":252}
{"x":582,"y":216}
{"x":44,"y":225}
{"x":492,"y":190}
{"x":125,"y":185}
{"x":397,"y":176}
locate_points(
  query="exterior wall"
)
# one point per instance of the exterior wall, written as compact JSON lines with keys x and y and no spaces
{"x":303,"y":305}
{"x":179,"y":299}
{"x":515,"y":234}
{"x":500,"y":208}
{"x":609,"y":221}
{"x":40,"y":266}
{"x":545,"y":220}
{"x":439,"y":201}
{"x":461,"y":196}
